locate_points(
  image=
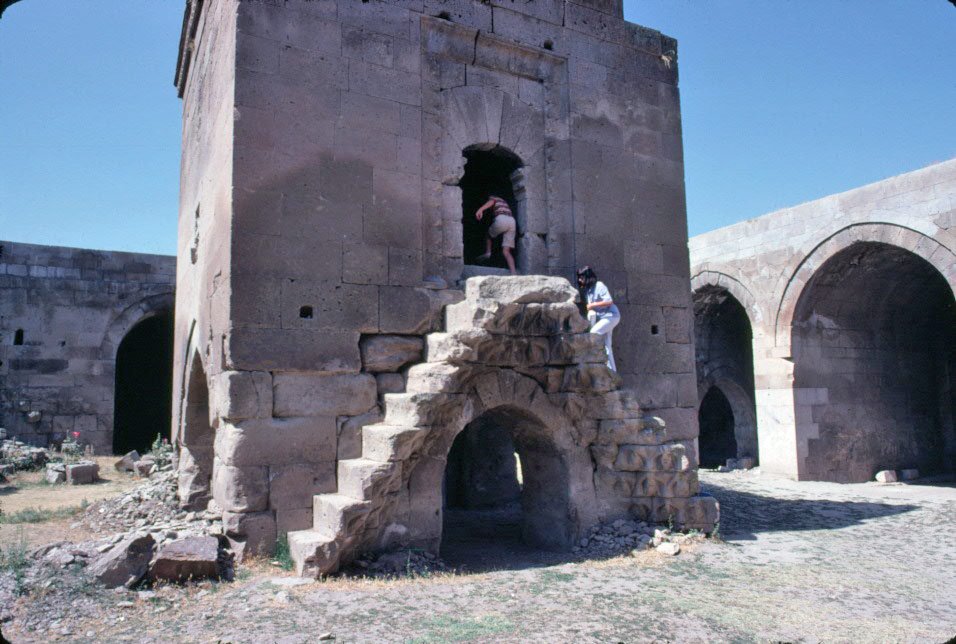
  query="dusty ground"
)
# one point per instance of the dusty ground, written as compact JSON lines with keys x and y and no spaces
{"x":801,"y":562}
{"x":28,"y":491}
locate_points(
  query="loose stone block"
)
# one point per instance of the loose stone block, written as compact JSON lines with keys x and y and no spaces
{"x":82,"y":473}
{"x":188,"y":559}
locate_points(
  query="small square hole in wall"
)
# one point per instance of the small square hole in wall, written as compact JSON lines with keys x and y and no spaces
{"x":305,"y":312}
{"x":654,"y":329}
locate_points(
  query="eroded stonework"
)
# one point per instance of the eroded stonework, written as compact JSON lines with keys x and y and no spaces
{"x":322,"y":231}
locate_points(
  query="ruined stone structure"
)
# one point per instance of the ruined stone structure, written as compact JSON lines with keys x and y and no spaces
{"x":85,"y":345}
{"x":332,"y":152}
{"x":831,"y":328}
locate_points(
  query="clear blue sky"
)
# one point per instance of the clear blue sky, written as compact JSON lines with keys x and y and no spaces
{"x":783,"y":101}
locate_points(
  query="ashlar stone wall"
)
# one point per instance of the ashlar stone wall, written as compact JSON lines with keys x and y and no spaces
{"x":323,"y":147}
{"x":851,"y":302}
{"x":63,"y":314}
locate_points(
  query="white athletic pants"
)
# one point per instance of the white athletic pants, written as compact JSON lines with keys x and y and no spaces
{"x":605,"y":327}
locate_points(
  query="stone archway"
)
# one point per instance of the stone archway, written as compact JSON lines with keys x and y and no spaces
{"x":196,"y":439}
{"x":723,"y":338}
{"x":142,"y":401}
{"x":873,"y":340}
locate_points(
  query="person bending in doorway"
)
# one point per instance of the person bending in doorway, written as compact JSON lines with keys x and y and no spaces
{"x":503,"y":224}
{"x":603,"y":314}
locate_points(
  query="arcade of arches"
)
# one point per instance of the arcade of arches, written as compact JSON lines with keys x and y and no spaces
{"x":843,"y":308}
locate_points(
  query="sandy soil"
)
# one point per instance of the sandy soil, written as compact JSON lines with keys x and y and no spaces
{"x":801,"y":562}
{"x":28,"y":490}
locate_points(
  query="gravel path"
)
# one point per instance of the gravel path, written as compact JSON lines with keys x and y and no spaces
{"x":800,"y":562}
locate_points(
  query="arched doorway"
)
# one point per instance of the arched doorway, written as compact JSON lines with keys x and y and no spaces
{"x":506,"y":492}
{"x":489,"y":169}
{"x":716,"y":443}
{"x":142,"y":404}
{"x":725,"y":376}
{"x":874,"y":350}
{"x":197,"y":441}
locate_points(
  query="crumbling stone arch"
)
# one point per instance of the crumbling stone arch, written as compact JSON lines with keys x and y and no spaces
{"x":196,"y":438}
{"x":940,"y":256}
{"x":558,"y":482}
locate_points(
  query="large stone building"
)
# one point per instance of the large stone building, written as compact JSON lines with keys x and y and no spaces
{"x":85,"y":345}
{"x":333,"y":152}
{"x":826,"y":332}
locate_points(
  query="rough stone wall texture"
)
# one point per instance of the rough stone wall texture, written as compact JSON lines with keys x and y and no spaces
{"x":323,"y":145}
{"x":63,"y":314}
{"x":851,"y":302}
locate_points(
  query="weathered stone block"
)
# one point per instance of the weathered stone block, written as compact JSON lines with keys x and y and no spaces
{"x":672,"y":457}
{"x":82,"y":473}
{"x":257,"y":531}
{"x":390,"y":352}
{"x":125,"y":563}
{"x":241,"y":488}
{"x":277,"y":441}
{"x":293,"y":486}
{"x":350,"y":432}
{"x":188,"y":559}
{"x":242,"y":394}
{"x":254,"y":349}
{"x":304,"y":394}
{"x":390,"y":383}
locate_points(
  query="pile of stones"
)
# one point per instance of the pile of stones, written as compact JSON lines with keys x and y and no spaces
{"x":152,"y":503}
{"x":895,"y":476}
{"x":623,"y":537}
{"x":743,"y":463}
{"x":16,"y":455}
{"x":398,"y":563}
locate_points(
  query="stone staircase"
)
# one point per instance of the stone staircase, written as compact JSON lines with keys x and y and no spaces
{"x":525,"y":324}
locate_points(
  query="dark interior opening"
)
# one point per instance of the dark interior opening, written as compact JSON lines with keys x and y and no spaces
{"x":505,"y":495}
{"x":18,"y":337}
{"x":143,"y":390}
{"x":488,"y":171}
{"x":873,"y":342}
{"x":717,"y":442}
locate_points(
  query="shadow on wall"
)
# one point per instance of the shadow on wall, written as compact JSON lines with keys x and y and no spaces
{"x":743,"y":514}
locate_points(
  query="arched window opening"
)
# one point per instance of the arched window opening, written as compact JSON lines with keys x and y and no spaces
{"x":142,"y":403}
{"x":505,"y":493}
{"x":872,"y":344}
{"x":489,"y":169}
{"x":197,"y":442}
{"x":717,"y":442}
{"x":18,"y":337}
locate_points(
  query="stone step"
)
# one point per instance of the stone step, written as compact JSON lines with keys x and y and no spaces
{"x":332,"y":514}
{"x":362,"y":478}
{"x":384,"y":443}
{"x":313,"y":553}
{"x":447,"y":347}
{"x":433,"y":377}
{"x":420,"y":409}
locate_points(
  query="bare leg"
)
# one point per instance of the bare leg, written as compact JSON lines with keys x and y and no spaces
{"x":487,"y":255}
{"x":509,"y":259}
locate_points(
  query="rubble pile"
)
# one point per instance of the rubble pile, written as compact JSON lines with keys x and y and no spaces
{"x":623,"y":536}
{"x":16,"y":455}
{"x":398,"y":563}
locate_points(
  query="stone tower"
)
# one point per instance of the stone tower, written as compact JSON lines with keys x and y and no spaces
{"x":333,"y":154}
